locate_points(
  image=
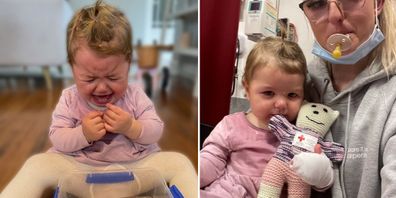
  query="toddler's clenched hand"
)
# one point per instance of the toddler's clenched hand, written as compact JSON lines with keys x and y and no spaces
{"x":93,"y":126}
{"x":119,"y":121}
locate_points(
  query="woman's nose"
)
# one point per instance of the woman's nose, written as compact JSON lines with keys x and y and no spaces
{"x":336,"y":14}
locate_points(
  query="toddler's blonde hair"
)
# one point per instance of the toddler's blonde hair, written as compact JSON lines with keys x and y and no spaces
{"x":274,"y":51}
{"x":104,"y":28}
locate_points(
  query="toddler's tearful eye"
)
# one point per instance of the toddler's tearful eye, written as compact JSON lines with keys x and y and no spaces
{"x":268,"y":93}
{"x":89,"y":80}
{"x":292,"y":95}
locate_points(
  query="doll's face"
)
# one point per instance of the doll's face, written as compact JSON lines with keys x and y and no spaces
{"x":100,"y":79}
{"x":272,"y":91}
{"x":317,"y":117}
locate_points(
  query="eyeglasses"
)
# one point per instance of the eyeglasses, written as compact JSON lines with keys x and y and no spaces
{"x":318,"y":9}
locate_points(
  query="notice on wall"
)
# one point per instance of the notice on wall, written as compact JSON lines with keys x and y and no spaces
{"x":272,"y":3}
{"x":270,"y":20}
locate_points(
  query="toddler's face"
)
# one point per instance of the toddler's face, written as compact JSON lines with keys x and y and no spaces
{"x":272,"y":91}
{"x":100,"y":79}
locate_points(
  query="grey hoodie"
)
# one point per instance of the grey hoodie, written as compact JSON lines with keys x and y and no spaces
{"x":366,"y":127}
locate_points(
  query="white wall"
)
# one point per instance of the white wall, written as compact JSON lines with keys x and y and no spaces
{"x":139,"y":14}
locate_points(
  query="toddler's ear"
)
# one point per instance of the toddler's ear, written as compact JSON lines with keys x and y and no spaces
{"x":246,"y":87}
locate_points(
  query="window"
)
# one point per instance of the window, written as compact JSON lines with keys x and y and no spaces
{"x":159,"y":11}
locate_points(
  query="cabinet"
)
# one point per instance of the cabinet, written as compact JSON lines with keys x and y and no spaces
{"x":185,"y":60}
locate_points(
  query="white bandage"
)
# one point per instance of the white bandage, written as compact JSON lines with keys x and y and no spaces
{"x":315,"y":169}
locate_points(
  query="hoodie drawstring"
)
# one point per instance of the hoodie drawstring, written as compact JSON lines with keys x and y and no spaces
{"x":342,"y":177}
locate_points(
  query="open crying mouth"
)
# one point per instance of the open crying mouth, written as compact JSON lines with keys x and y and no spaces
{"x":99,"y":102}
{"x":102,"y":100}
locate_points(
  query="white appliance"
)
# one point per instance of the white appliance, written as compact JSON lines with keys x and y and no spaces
{"x":261,"y":17}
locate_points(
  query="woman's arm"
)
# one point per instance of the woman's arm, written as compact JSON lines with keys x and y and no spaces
{"x":388,"y":170}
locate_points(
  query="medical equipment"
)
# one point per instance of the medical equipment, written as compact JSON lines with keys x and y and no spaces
{"x":261,"y":18}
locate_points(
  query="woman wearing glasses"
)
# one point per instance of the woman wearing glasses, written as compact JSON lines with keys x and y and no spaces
{"x":354,"y":74}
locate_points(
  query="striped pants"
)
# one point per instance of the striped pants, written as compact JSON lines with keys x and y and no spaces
{"x":275,"y":175}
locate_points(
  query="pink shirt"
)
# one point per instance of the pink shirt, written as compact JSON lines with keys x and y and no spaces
{"x":233,"y":158}
{"x":67,"y":137}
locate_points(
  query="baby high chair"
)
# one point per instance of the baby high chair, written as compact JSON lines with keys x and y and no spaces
{"x":147,"y":61}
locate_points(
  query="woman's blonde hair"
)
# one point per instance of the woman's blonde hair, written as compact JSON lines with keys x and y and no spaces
{"x":104,"y":28}
{"x":274,"y":51}
{"x":386,"y":52}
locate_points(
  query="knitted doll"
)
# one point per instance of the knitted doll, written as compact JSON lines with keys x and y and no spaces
{"x":313,"y":122}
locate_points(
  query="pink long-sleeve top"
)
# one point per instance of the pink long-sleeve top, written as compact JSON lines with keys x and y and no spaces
{"x":233,"y":158}
{"x":67,"y":136}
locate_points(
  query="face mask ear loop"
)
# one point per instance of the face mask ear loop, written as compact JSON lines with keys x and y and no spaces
{"x":376,"y":14}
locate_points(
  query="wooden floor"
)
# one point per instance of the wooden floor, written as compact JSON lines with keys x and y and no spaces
{"x":26,"y":108}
